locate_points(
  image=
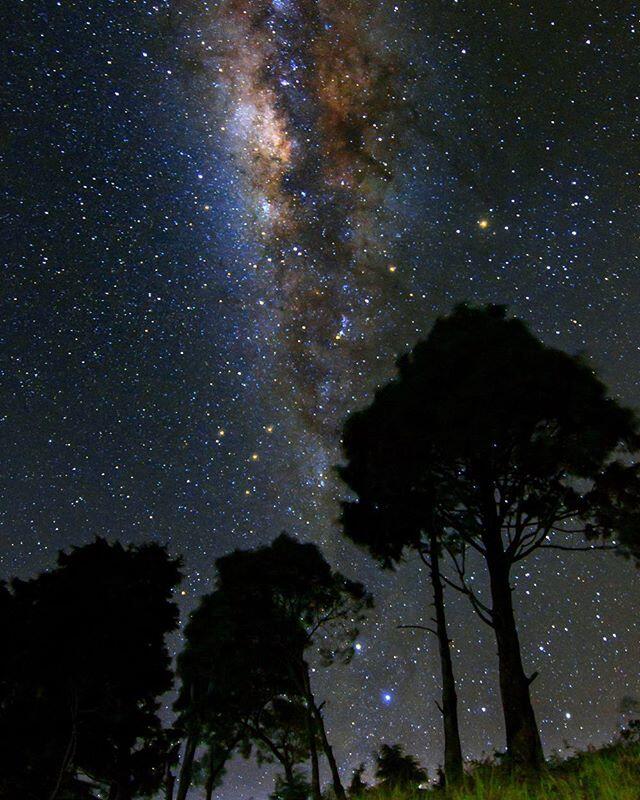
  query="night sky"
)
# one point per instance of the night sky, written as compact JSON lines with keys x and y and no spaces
{"x":221,"y":221}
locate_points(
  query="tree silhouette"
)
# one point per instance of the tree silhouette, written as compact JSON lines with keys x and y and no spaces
{"x":280,"y":734}
{"x":85,"y":667}
{"x":357,"y":785}
{"x":506,"y":445}
{"x":387,"y":530}
{"x":293,"y":787}
{"x":230,"y":671}
{"x":209,"y":770}
{"x":396,"y":769}
{"x":323,"y":608}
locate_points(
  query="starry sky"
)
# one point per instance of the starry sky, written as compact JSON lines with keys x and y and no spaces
{"x":222,"y":221}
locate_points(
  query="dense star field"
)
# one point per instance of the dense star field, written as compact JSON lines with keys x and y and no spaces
{"x":223,"y":220}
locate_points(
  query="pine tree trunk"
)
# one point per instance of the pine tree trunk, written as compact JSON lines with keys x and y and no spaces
{"x":190,"y":748}
{"x":523,"y":738}
{"x":313,"y":755}
{"x":453,"y":769}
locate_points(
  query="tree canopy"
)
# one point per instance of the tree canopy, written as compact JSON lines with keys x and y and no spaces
{"x":85,"y":667}
{"x":230,"y":669}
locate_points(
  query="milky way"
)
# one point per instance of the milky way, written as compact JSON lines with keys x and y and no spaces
{"x":307,"y":107}
{"x":224,"y":219}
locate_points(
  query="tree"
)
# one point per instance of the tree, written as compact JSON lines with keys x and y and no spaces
{"x":357,"y":785}
{"x":323,"y":608}
{"x":86,"y":665}
{"x":230,"y":671}
{"x":397,"y":770}
{"x":210,"y":769}
{"x":292,"y":787}
{"x":280,"y":733}
{"x":506,"y":446}
{"x":388,"y":529}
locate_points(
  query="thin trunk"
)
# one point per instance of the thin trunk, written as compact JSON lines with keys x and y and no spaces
{"x":316,"y":794}
{"x":169,"y":784}
{"x":288,"y":771}
{"x":280,"y":755}
{"x":338,"y":788}
{"x":123,"y":772}
{"x":69,"y":752}
{"x":171,"y":762}
{"x":216,"y":765}
{"x":186,"y":769}
{"x":453,"y":769}
{"x":208,"y":788}
{"x":523,"y":738}
{"x":212,"y":774}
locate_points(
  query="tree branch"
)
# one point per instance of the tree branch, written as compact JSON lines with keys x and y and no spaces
{"x":579,"y":549}
{"x":536,"y":538}
{"x":420,"y":628}
{"x":482,"y":610}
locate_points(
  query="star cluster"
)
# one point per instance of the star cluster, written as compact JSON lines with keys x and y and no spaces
{"x":223,"y":219}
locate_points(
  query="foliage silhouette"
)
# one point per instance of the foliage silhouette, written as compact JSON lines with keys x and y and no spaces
{"x":397,"y":770}
{"x":357,"y":784}
{"x":86,"y":664}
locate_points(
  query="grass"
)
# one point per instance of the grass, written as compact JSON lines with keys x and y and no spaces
{"x":611,"y":773}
